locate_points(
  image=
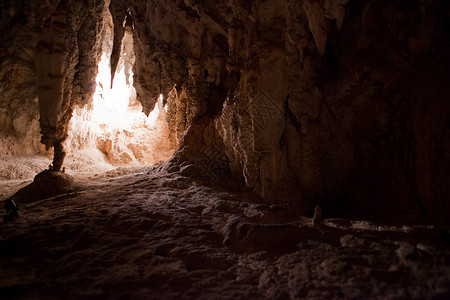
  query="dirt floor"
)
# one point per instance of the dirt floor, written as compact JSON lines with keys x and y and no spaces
{"x":145,"y":233}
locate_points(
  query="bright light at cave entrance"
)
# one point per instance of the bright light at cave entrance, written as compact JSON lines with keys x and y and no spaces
{"x":110,"y":106}
{"x":115,"y":123}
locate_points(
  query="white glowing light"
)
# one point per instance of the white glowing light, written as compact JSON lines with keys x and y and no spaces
{"x":123,"y":132}
{"x":110,"y":105}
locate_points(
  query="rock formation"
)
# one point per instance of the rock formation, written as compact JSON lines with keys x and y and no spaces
{"x":337,"y":103}
{"x":66,"y":59}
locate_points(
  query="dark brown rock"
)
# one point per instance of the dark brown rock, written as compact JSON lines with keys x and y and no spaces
{"x":46,"y":184}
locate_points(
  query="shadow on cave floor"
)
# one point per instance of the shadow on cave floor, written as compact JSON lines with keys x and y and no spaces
{"x":144,"y":233}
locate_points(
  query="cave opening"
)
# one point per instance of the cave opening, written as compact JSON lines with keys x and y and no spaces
{"x":112,"y":130}
{"x":312,"y":151}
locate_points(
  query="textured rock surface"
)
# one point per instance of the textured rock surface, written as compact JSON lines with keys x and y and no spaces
{"x":19,"y":112}
{"x":150,"y":234}
{"x":342,"y":104}
{"x":50,"y":50}
{"x":45,"y":185}
{"x":337,"y":103}
{"x":66,"y":59}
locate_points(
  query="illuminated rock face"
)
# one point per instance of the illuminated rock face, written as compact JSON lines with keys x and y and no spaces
{"x":338,"y":103}
{"x":65,"y":59}
{"x":114,"y":122}
{"x":50,"y":52}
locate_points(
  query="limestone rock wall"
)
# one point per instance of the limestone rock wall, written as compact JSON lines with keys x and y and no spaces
{"x":338,"y":103}
{"x":19,"y":112}
{"x":49,"y":54}
{"x":341,"y":103}
{"x":66,"y":58}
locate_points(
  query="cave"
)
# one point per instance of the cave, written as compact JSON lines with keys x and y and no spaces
{"x":261,"y":149}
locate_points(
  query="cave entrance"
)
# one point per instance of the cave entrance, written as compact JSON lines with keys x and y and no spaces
{"x":113,"y":130}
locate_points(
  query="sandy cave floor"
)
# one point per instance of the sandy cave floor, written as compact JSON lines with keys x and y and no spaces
{"x":144,"y":233}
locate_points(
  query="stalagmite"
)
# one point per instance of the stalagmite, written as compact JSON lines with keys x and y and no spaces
{"x":197,"y":138}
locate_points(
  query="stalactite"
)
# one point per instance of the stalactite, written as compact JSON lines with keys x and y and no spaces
{"x":118,"y":11}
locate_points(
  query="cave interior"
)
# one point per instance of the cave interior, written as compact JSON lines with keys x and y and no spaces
{"x":260,"y":149}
